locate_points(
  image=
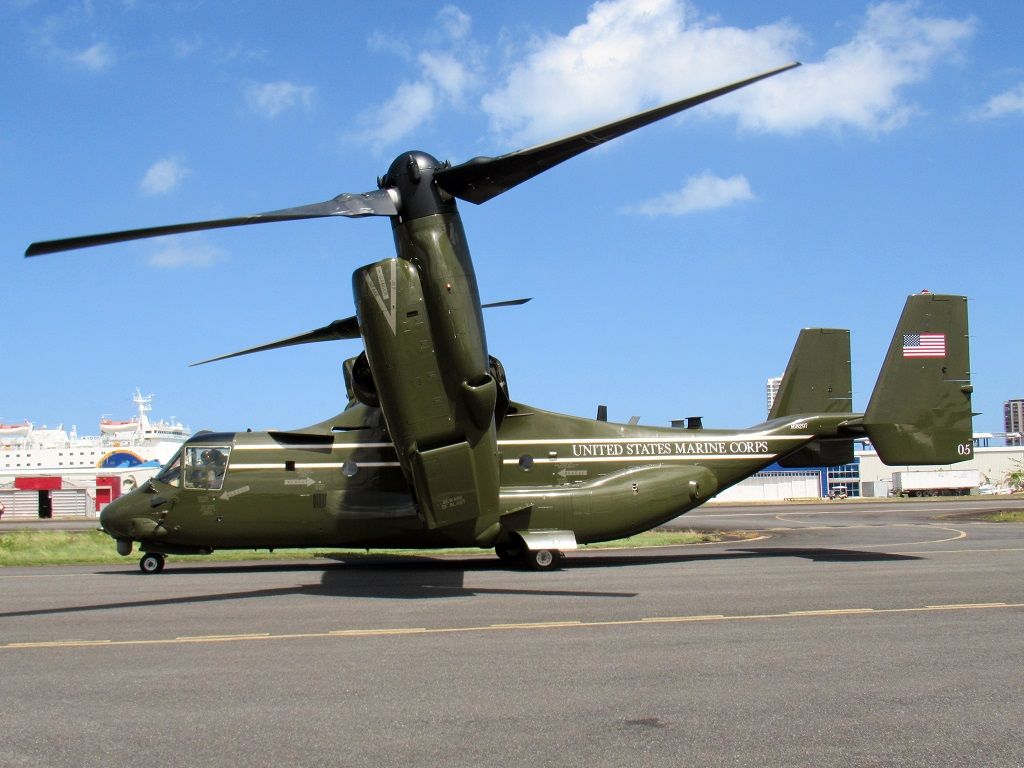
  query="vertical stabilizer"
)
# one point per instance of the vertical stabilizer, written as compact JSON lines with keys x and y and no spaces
{"x":920,"y":410}
{"x":817,"y":378}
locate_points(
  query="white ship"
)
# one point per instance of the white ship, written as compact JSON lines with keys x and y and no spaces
{"x":26,"y":450}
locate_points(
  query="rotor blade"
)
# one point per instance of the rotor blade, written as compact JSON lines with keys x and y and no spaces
{"x":346,"y":328}
{"x":339,"y":329}
{"x":375,"y":203}
{"x":506,"y":303}
{"x":480,"y":179}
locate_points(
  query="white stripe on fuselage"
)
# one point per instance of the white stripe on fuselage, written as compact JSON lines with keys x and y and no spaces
{"x":532,"y":441}
{"x":314,"y":465}
{"x":639,"y":459}
{"x":309,"y":446}
{"x":654,"y":439}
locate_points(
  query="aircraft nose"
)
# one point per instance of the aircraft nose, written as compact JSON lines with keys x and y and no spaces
{"x":115,"y":518}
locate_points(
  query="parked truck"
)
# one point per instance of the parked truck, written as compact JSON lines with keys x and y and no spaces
{"x":936,"y":482}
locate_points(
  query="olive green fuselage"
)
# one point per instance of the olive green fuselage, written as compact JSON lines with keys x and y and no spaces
{"x":431,"y":453}
{"x":340,"y":484}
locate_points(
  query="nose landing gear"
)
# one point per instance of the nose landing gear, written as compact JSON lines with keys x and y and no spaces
{"x":152,"y":562}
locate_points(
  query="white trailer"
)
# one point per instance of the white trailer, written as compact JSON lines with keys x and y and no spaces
{"x":935,"y":482}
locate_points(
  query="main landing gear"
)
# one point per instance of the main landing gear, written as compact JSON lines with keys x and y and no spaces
{"x":515,"y":551}
{"x":510,"y":551}
{"x":543,"y":559}
{"x":152,"y":562}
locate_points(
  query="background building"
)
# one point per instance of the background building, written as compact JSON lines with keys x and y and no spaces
{"x":868,"y":476}
{"x":1013,"y":418}
{"x":772,"y":389}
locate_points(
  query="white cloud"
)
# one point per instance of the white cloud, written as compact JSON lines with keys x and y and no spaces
{"x":186,"y":252}
{"x":271,"y":99}
{"x":95,"y":58}
{"x":410,"y":107}
{"x":633,"y":54}
{"x":449,"y":73}
{"x":455,"y":22}
{"x":214,"y":49}
{"x":61,"y":36}
{"x":1006,"y":103}
{"x":705,"y":192}
{"x":389,"y":44}
{"x":163,"y":176}
{"x":859,"y":83}
{"x":186,"y":47}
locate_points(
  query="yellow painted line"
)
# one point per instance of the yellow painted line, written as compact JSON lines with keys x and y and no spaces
{"x":375,"y":632}
{"x":960,"y":551}
{"x":401,"y":631}
{"x":215,"y":638}
{"x":959,"y":535}
{"x":60,"y":644}
{"x":62,"y":575}
{"x":536,"y":625}
{"x":887,"y":545}
{"x":832,"y":612}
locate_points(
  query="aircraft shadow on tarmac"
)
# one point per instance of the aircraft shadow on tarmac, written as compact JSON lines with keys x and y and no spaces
{"x":816,"y":554}
{"x":423,"y":577}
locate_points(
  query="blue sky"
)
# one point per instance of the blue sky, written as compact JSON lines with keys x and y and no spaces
{"x":671,"y":270}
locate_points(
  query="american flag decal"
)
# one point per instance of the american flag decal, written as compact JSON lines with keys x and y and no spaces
{"x":924,"y":345}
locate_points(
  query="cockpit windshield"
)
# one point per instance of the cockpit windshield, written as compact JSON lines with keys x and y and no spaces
{"x":171,"y":473}
{"x":205,"y":466}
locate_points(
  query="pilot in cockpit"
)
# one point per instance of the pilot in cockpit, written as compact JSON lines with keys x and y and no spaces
{"x":208,"y":465}
{"x":212,"y":465}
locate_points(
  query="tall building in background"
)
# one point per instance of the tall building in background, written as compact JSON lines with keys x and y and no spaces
{"x":1013,"y":420}
{"x":772,"y":389}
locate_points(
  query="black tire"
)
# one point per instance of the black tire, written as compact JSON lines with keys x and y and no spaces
{"x":152,"y":562}
{"x":510,"y":551}
{"x":544,"y":559}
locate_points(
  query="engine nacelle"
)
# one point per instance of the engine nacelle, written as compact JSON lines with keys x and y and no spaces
{"x":441,"y":422}
{"x":359,"y":383}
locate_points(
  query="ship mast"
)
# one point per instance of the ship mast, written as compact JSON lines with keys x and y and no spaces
{"x":144,"y":404}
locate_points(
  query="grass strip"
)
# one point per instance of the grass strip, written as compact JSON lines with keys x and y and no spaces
{"x":36,"y":548}
{"x":1005,"y":516}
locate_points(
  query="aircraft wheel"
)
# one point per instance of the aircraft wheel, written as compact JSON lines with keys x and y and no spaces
{"x":152,"y":562}
{"x":544,"y":559}
{"x":510,"y":551}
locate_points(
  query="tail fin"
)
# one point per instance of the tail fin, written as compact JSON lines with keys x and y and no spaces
{"x":920,"y":410}
{"x":817,"y":380}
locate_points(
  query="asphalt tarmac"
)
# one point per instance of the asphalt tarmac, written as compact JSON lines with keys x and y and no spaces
{"x":849,"y":634}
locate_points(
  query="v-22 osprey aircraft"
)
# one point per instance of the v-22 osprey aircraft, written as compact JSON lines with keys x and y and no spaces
{"x":431,"y":451}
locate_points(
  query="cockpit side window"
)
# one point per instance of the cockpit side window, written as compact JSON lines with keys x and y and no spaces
{"x":205,"y":466}
{"x":171,"y":473}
